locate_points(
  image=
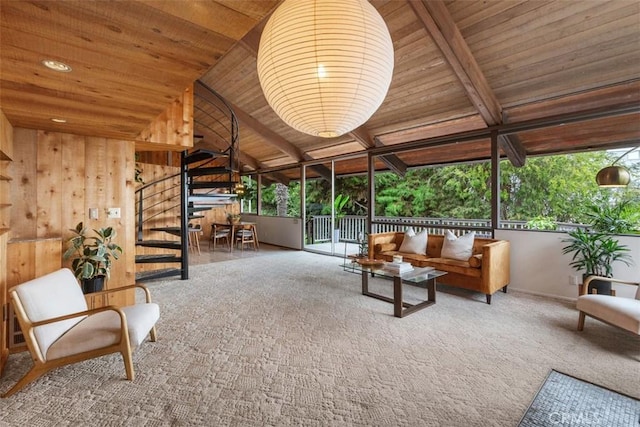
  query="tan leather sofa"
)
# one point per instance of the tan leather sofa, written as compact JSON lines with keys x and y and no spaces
{"x":487,"y":271}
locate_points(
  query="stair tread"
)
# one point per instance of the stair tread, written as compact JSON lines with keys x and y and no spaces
{"x":212,"y":184}
{"x":213,"y":171}
{"x":157,"y":274}
{"x":157,"y":258}
{"x":166,"y":244}
{"x":200,"y":155}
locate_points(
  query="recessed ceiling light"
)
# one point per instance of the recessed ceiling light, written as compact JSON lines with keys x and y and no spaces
{"x":59,"y":120}
{"x":56,"y":65}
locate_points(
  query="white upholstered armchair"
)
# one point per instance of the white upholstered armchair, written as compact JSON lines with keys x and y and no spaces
{"x":617,"y":311}
{"x":59,"y":329}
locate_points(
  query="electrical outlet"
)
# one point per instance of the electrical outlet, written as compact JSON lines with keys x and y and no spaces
{"x":113,"y":213}
{"x":93,"y":213}
{"x":574,"y":280}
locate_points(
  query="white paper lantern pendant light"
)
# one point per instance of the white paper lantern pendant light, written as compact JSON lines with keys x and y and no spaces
{"x":325,"y":66}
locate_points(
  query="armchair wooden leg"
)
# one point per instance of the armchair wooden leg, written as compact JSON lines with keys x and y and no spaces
{"x":35,"y":373}
{"x":581,"y":321}
{"x":128,"y":364}
{"x":152,"y":334}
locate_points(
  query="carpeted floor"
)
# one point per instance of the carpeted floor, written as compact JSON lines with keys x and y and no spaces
{"x":287,"y":339}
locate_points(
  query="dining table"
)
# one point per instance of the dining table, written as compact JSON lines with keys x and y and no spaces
{"x":234,"y":227}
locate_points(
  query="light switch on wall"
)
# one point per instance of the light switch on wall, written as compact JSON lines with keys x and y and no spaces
{"x":93,"y":213}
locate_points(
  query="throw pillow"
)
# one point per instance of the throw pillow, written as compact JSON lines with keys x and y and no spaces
{"x":459,"y":248}
{"x":414,"y":244}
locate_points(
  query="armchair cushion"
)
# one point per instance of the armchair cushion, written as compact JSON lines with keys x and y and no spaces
{"x":621,"y":312}
{"x":59,"y":329}
{"x":96,"y":331}
{"x":140,"y":319}
{"x":43,"y":300}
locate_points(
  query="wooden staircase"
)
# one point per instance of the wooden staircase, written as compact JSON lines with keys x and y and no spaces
{"x":166,"y":206}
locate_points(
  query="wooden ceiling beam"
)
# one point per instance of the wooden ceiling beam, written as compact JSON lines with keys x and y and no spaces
{"x":512,"y":146}
{"x":211,"y":141}
{"x":364,"y":138}
{"x":438,"y":22}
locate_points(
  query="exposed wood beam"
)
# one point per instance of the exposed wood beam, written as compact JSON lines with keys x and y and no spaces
{"x":212,"y":141}
{"x":278,"y":141}
{"x":267,"y":134}
{"x":364,"y":138}
{"x":270,"y":136}
{"x":512,"y":146}
{"x":436,"y":18}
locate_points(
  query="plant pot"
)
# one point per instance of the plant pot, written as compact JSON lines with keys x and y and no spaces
{"x":601,"y":286}
{"x":95,"y":284}
{"x":233,"y":220}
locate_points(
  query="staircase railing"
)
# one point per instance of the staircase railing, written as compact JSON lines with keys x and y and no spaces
{"x":167,"y":198}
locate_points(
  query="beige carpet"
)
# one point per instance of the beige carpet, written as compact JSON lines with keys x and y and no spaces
{"x":287,"y":339}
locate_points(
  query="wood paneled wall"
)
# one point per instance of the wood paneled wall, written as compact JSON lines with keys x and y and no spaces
{"x":59,"y":177}
{"x":171,"y":130}
{"x":6,"y":154}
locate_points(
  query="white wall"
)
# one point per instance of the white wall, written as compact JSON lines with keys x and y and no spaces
{"x":539,"y":267}
{"x":276,"y":230}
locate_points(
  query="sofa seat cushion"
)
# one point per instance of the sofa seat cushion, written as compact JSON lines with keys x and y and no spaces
{"x":454,"y":266}
{"x":622,"y":312}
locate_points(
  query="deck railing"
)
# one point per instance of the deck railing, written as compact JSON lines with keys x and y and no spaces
{"x":319,"y":226}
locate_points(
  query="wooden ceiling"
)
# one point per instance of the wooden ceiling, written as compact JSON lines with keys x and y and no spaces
{"x":460,"y":66}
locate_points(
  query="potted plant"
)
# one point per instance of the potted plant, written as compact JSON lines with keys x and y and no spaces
{"x":233,"y":218}
{"x":594,"y":253}
{"x":339,"y":206}
{"x":92,"y":256}
{"x":363,"y":245}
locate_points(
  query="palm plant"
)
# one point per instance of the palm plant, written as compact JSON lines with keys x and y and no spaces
{"x":594,"y":253}
{"x":619,"y":218}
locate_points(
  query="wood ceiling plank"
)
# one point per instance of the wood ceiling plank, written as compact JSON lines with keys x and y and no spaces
{"x":606,"y":97}
{"x":255,"y":9}
{"x":214,"y":16}
{"x":93,"y":26}
{"x":545,"y":87}
{"x":25,"y":94}
{"x":88,"y":62}
{"x":413,"y":133}
{"x":522,"y":21}
{"x":561,"y":54}
{"x":474,"y":17}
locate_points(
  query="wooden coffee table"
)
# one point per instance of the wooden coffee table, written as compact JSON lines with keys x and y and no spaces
{"x":420,"y":277}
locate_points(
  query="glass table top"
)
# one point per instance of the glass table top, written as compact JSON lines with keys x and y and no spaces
{"x":417,"y":275}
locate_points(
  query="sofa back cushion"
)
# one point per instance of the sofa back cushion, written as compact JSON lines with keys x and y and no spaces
{"x":459,"y":248}
{"x":416,"y":244}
